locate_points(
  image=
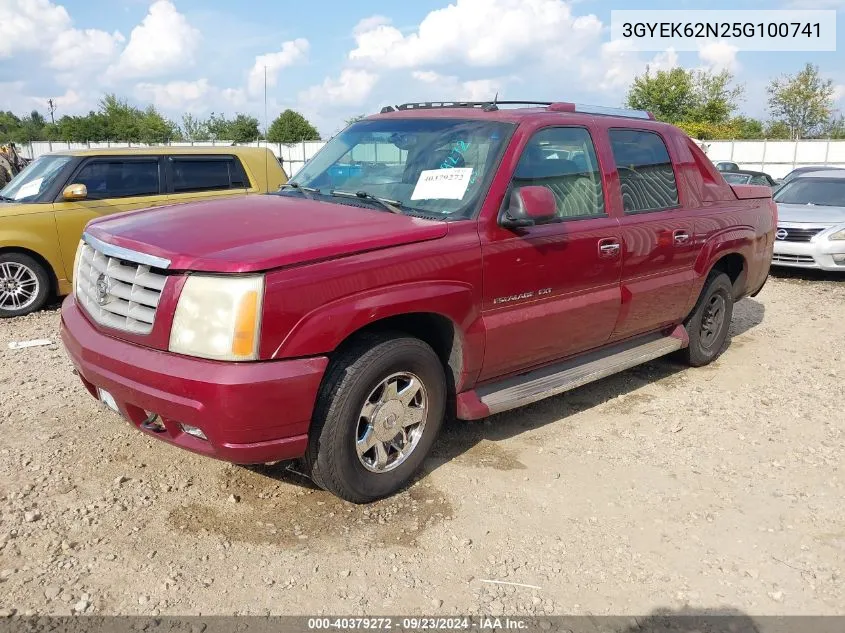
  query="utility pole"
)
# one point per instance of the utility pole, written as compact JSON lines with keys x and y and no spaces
{"x":51,"y":108}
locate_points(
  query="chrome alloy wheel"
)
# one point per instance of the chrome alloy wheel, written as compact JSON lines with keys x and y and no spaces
{"x":18,"y":286}
{"x":391,"y":422}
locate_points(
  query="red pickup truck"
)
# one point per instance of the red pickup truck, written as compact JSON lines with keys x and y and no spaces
{"x":434,"y":260}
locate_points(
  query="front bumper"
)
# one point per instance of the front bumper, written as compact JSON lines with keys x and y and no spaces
{"x":817,"y":254}
{"x":250,"y":412}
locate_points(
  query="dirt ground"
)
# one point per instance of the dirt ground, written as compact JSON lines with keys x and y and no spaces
{"x":663,"y":487}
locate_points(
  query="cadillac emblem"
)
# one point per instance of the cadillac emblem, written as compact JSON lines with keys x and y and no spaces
{"x":102,"y":290}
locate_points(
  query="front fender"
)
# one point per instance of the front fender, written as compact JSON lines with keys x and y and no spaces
{"x":323,"y":329}
{"x":35,"y":232}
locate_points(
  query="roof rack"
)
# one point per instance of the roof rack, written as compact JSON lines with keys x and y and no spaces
{"x":553,"y":106}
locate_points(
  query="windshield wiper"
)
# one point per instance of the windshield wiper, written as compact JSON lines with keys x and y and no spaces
{"x":7,"y":199}
{"x":305,"y":190}
{"x":390,"y":205}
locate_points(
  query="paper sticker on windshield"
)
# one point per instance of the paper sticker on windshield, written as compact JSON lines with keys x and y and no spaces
{"x":442,"y":184}
{"x":29,"y":189}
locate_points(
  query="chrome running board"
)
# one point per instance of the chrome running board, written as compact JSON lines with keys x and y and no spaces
{"x":556,"y":379}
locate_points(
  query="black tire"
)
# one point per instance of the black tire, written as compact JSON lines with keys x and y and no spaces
{"x":332,"y":459}
{"x":12,"y":264}
{"x":708,"y":332}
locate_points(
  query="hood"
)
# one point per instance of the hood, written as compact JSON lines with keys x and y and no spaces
{"x":254,"y":233}
{"x":810,"y":214}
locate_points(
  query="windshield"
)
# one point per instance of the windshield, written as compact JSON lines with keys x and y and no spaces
{"x":736,"y":179}
{"x":34,"y":179}
{"x":434,"y":167}
{"x":827,"y":192}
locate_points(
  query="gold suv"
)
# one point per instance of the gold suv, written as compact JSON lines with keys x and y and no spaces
{"x":44,"y":209}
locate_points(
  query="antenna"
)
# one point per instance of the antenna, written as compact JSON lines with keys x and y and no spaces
{"x":266,"y":149}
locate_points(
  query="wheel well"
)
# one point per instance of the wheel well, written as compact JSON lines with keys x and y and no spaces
{"x":734,"y":266}
{"x":51,"y":274}
{"x":437,"y":330}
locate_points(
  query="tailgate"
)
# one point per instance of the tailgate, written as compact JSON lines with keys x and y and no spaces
{"x":745,"y":192}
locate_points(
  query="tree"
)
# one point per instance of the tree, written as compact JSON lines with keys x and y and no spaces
{"x":777,"y":130}
{"x":803,"y":101}
{"x":747,"y":128}
{"x":243,"y":129}
{"x":354,"y":119}
{"x":292,"y":127}
{"x":193,"y":129}
{"x":680,"y":95}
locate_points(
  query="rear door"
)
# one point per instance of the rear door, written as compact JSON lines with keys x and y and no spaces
{"x":115,"y":184}
{"x":191,"y":178}
{"x":552,"y":290}
{"x":658,"y":234}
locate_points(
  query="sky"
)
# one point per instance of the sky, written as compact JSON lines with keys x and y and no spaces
{"x":332,"y":60}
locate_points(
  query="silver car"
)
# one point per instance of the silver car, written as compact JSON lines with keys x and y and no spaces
{"x":811,"y":222}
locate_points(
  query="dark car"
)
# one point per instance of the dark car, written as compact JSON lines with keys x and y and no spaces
{"x":726,"y":165}
{"x":801,"y":171}
{"x":748,"y":177}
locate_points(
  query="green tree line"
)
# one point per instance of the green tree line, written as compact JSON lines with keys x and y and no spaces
{"x":704,"y":104}
{"x":117,"y":120}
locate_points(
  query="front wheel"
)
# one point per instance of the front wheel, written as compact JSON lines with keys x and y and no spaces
{"x":710,"y":321}
{"x":378,"y":413}
{"x":24,"y":285}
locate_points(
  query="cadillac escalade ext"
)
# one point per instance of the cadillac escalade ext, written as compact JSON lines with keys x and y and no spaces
{"x":434,"y":260}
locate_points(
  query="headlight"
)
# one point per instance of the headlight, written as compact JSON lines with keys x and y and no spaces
{"x":76,"y":261}
{"x":218,"y":317}
{"x":839,"y":235}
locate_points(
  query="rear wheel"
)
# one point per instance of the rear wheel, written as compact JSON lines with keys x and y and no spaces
{"x":710,"y":321}
{"x":378,"y":413}
{"x":24,"y":285}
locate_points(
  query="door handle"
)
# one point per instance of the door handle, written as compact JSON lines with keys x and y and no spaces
{"x":680,"y":237}
{"x":609,"y":248}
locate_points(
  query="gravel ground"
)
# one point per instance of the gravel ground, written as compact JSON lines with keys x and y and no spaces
{"x":660,"y":488}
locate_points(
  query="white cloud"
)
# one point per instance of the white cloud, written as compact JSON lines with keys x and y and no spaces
{"x":613,"y":68}
{"x":815,"y":4}
{"x":74,"y":49}
{"x":164,"y":42}
{"x":40,"y":26}
{"x":478,"y":33}
{"x":352,"y":87}
{"x":453,"y":88}
{"x":291,"y":53}
{"x":838,"y":92}
{"x":175,"y":95}
{"x":718,"y":56}
{"x":28,"y":25}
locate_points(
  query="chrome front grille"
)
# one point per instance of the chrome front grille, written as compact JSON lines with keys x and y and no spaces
{"x":792,"y":234}
{"x":116,"y":292}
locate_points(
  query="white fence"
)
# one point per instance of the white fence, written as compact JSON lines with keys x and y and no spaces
{"x":777,"y":158}
{"x":292,"y":156}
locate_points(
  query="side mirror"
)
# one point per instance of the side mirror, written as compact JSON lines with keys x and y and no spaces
{"x":75,"y":192}
{"x":529,"y":206}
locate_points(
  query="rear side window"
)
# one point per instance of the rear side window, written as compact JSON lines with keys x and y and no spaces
{"x":207,"y":174}
{"x":115,"y":178}
{"x":646,"y":177}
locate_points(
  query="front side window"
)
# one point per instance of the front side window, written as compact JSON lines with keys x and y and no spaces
{"x":824,"y":192}
{"x":563,"y":160}
{"x":34,"y":179}
{"x":207,"y":174}
{"x":646,"y":177}
{"x":111,"y":178}
{"x":434,"y":167}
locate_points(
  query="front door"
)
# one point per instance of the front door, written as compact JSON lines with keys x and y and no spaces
{"x":658,"y":232}
{"x":115,"y":184}
{"x":551,"y":291}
